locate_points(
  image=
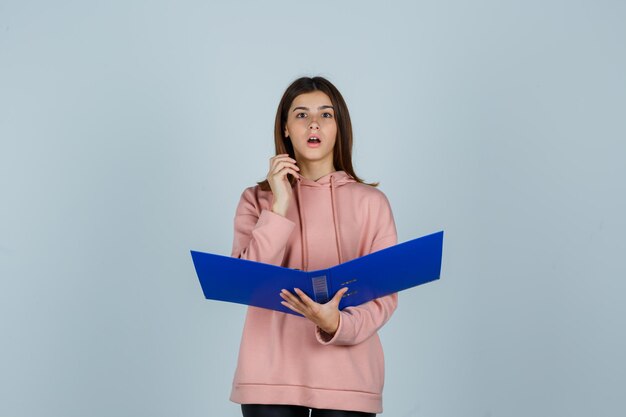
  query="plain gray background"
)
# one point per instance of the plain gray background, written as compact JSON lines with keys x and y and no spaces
{"x":130,"y":128}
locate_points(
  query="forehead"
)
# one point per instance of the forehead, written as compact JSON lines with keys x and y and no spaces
{"x":312,"y":100}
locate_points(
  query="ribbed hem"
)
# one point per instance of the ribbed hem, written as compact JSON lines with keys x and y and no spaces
{"x":308,"y":397}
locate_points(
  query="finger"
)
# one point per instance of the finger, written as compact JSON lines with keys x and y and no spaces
{"x":283,"y":173}
{"x":291,"y":299}
{"x":339,"y":295}
{"x":282,"y":160}
{"x":279,"y":158}
{"x":280,"y":155}
{"x":280,"y":177}
{"x":293,"y":302}
{"x":305,"y":298}
{"x":283,"y":164}
{"x":290,"y":307}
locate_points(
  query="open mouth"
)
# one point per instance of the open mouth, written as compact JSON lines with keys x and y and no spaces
{"x":314,"y":140}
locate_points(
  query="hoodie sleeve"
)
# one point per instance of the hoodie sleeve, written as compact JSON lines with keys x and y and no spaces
{"x":260,"y":235}
{"x":358,"y":323}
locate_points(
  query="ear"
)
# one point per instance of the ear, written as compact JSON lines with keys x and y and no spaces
{"x":286,"y":133}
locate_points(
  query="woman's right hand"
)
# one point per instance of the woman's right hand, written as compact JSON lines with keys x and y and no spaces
{"x":280,"y":166}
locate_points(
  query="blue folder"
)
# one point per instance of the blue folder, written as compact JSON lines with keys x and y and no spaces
{"x":377,"y":274}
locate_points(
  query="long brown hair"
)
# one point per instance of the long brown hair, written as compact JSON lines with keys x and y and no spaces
{"x":342,"y":151}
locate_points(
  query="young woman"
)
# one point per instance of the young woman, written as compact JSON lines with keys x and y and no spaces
{"x":312,"y":212}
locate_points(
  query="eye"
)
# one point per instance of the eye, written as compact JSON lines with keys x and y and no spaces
{"x":329,"y":115}
{"x":300,"y":114}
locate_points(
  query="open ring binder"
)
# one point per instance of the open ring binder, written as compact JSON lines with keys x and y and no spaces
{"x":377,"y":274}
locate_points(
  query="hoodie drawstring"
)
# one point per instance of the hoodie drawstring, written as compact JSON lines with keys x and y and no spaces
{"x":335,"y":219}
{"x":304,"y":251}
{"x":301,"y":217}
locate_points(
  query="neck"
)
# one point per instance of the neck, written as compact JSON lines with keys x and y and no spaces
{"x":315,"y":170}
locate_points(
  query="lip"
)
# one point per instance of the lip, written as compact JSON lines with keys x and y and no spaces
{"x":314,"y":144}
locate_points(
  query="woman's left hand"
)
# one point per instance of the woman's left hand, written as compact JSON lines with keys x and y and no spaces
{"x":325,"y":316}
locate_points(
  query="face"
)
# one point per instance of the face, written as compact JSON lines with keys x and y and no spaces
{"x":311,"y":116}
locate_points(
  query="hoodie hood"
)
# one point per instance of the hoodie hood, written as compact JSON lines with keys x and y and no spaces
{"x":334,"y":179}
{"x":329,"y":181}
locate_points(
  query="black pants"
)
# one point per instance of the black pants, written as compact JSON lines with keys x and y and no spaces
{"x":263,"y":410}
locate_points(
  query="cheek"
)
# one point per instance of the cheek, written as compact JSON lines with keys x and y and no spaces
{"x":295,"y":124}
{"x":331,"y":126}
{"x":331,"y":143}
{"x":333,"y":129}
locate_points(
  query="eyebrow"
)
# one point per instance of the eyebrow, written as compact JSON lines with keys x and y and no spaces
{"x":319,"y":108}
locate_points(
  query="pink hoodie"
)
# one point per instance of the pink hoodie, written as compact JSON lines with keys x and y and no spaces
{"x":286,"y":359}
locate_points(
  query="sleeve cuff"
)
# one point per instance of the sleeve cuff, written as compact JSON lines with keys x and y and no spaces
{"x":280,"y":225}
{"x":327,"y":339}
